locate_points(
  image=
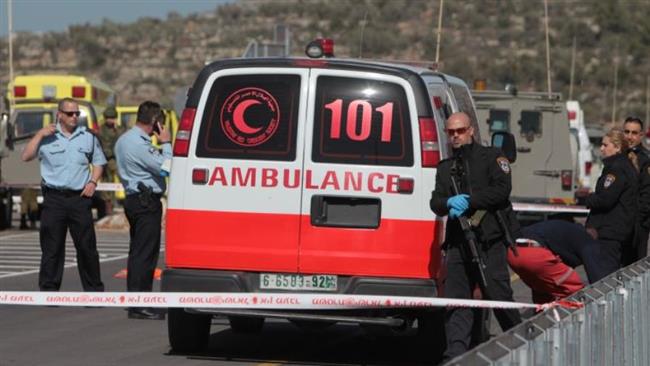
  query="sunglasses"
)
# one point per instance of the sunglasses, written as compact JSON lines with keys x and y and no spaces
{"x":459,"y":131}
{"x":627,"y":132}
{"x":71,"y":113}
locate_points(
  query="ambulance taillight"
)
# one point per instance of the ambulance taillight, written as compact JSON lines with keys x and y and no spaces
{"x":182,"y":143}
{"x":20,"y":91}
{"x":572,"y":115}
{"x":429,"y":142}
{"x":78,"y":92}
{"x":567,"y":179}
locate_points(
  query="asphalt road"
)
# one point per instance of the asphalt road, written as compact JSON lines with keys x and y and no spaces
{"x":104,"y":336}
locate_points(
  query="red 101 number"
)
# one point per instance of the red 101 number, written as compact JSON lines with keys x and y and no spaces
{"x":354,"y":108}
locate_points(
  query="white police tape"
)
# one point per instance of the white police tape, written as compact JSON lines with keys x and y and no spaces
{"x":235,"y":300}
{"x":549,"y":207}
{"x":102,"y":186}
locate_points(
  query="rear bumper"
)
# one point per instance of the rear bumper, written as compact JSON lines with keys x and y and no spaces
{"x":191,"y":280}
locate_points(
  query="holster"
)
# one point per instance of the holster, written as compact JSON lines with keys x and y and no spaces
{"x":145,"y":195}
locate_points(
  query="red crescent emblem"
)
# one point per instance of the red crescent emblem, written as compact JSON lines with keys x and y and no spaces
{"x":266,"y":116}
{"x":238,"y":116}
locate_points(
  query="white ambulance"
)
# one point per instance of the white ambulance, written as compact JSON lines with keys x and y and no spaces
{"x":299,"y":175}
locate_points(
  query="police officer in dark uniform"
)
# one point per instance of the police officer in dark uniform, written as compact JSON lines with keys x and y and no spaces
{"x":66,"y":152}
{"x":613,"y":206}
{"x":142,"y":169}
{"x":485,"y":185}
{"x":633,"y":130}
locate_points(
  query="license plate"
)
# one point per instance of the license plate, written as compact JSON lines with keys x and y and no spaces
{"x":277,"y":281}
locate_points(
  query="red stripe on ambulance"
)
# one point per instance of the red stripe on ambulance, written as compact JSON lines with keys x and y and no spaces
{"x":195,"y":240}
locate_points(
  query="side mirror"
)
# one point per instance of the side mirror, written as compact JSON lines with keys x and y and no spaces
{"x":506,"y":142}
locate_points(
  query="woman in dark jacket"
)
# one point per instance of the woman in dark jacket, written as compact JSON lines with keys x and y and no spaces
{"x":613,"y":206}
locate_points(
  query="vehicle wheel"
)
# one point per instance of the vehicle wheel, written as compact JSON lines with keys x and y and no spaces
{"x":188,"y":332}
{"x":246,"y":324}
{"x":431,"y":332}
{"x":6,"y":210}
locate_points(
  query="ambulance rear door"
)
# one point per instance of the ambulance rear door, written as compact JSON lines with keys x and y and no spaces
{"x":364,"y":207}
{"x":234,"y":202}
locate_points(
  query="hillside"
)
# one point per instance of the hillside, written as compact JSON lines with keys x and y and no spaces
{"x":499,"y":40}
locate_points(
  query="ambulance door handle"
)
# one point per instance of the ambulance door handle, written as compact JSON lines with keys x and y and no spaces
{"x":523,"y":149}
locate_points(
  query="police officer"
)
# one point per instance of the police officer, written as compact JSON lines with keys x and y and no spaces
{"x":142,"y":169}
{"x":613,"y":206}
{"x":108,"y":135}
{"x":633,"y":130}
{"x":548,"y":251}
{"x":485,"y":185}
{"x":66,"y":151}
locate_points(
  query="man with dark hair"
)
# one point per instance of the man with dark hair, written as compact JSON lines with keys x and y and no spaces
{"x":633,"y":130}
{"x":66,"y":151}
{"x":142,"y":169}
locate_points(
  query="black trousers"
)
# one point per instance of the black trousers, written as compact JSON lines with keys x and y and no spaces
{"x":610,"y":255}
{"x":63,"y":210}
{"x":460,"y":283}
{"x":144,"y":219}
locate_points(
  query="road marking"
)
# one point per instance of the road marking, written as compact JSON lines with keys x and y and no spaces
{"x":21,"y":253}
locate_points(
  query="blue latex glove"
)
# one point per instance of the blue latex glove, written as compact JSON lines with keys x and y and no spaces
{"x":459,"y":202}
{"x":454,"y":213}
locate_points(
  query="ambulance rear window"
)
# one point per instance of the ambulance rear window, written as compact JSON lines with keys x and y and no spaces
{"x":361,"y":121}
{"x":29,"y":122}
{"x":251,"y":117}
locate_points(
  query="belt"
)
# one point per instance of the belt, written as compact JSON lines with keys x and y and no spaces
{"x":136,"y":194}
{"x":529,"y":243}
{"x":61,"y":191}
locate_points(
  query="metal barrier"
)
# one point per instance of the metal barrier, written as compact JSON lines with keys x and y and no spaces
{"x":613,"y":328}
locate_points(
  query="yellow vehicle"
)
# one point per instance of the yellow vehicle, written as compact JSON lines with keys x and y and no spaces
{"x":33,"y":100}
{"x":127,"y":115}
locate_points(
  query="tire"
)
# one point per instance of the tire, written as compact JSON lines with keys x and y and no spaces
{"x":245,"y":324}
{"x":431,"y":333}
{"x":188,"y":332}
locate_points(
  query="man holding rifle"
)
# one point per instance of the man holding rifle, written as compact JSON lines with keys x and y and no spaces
{"x":473,"y":189}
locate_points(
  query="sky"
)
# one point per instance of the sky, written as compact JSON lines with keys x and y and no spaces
{"x":57,"y":15}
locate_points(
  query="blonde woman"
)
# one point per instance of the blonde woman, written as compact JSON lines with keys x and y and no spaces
{"x":613,"y":206}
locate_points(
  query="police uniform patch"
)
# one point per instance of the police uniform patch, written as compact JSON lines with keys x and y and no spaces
{"x":504,"y":164}
{"x":609,"y":179}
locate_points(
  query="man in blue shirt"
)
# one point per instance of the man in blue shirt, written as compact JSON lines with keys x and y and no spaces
{"x":142,"y":169}
{"x":66,"y":152}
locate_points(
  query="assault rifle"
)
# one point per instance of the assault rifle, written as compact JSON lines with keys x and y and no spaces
{"x":470,"y":237}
